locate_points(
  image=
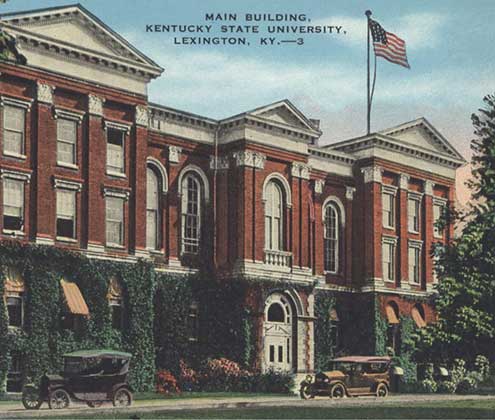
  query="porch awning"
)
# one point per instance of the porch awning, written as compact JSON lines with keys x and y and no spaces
{"x":391,"y":315}
{"x":418,"y":318}
{"x":74,"y":299}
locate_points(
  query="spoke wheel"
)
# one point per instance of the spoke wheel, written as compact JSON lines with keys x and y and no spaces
{"x":59,"y":399}
{"x":381,"y":390}
{"x":305,"y":392}
{"x":337,"y":391}
{"x":122,"y":398}
{"x":31,"y":399}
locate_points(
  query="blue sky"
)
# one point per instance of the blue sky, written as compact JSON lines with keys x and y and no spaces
{"x":449,"y":43}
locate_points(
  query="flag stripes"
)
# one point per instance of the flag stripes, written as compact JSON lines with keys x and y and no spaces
{"x":388,"y":45}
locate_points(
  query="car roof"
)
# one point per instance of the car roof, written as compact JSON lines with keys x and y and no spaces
{"x":99,"y":353}
{"x":362,"y":359}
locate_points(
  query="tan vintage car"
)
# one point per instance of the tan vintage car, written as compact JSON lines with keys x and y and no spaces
{"x":352,"y":376}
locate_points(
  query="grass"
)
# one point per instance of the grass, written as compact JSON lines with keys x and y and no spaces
{"x":151,"y":396}
{"x":466,"y":409}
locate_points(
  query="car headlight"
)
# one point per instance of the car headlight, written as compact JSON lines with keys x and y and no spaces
{"x":309,"y":378}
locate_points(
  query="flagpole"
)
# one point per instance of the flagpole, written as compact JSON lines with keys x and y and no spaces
{"x":368,"y":125}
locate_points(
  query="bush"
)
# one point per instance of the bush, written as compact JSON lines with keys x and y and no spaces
{"x":482,"y":365}
{"x":224,"y":375}
{"x":273,"y":382}
{"x":166,"y":383}
{"x":446,"y":387}
{"x":467,"y":385}
{"x":188,"y":378}
{"x":427,"y":386}
{"x":458,"y":371}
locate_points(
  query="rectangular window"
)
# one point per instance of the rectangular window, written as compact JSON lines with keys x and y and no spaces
{"x":437,"y":214}
{"x":388,"y":258}
{"x":14,"y":310}
{"x":388,"y":210}
{"x":13,"y":204}
{"x":115,"y":221}
{"x":115,"y":151}
{"x":14,"y":120}
{"x":413,"y":215}
{"x":414,"y":261}
{"x":272,"y":353}
{"x":66,"y":141}
{"x":66,"y":214}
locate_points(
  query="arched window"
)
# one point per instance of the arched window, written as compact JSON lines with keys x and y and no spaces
{"x":192,"y":193}
{"x":331,"y":238}
{"x":274,"y":220}
{"x":276,"y":313}
{"x":115,"y":298}
{"x":393,"y":330}
{"x":153,"y":210}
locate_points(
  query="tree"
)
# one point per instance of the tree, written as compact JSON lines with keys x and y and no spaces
{"x":466,"y":300}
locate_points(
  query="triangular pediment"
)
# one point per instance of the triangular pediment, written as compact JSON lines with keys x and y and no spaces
{"x":421,"y":133}
{"x":285,"y":113}
{"x":75,"y":26}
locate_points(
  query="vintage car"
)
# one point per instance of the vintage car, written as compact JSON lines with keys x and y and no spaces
{"x":352,"y":376}
{"x":91,"y":376}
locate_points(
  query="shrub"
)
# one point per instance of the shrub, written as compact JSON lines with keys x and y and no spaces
{"x":458,"y":371}
{"x":446,"y":387}
{"x":188,"y":378}
{"x":166,"y":383}
{"x":428,"y":386}
{"x":467,"y":385}
{"x":482,"y":365}
{"x":224,"y":375}
{"x":273,"y":382}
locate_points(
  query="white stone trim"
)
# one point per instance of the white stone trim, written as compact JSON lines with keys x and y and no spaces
{"x":117,"y":126}
{"x":116,"y":192}
{"x":415,"y":243}
{"x":161,"y":169}
{"x":389,"y":189}
{"x":349,"y":192}
{"x":67,"y":185}
{"x":415,"y":195}
{"x":440,"y":201}
{"x":285,"y":184}
{"x":95,"y":105}
{"x":221,"y":163}
{"x":68,"y":115}
{"x":17,"y":175}
{"x":7,"y":100}
{"x":141,"y":116}
{"x":428,"y":187}
{"x":44,"y":92}
{"x":389,"y":239}
{"x":198,"y":171}
{"x":300,"y":170}
{"x":332,"y":199}
{"x":372,"y":174}
{"x":404,"y":181}
{"x":250,"y":159}
{"x":40,"y":240}
{"x":318,"y":186}
{"x":174,"y":154}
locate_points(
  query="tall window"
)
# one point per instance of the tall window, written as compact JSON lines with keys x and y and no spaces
{"x":388,"y":258}
{"x":13,"y":130}
{"x":115,"y":298}
{"x":14,"y":297}
{"x":331,"y":237}
{"x":388,"y":210}
{"x":152,"y":210}
{"x":193,"y":321}
{"x":437,"y":214}
{"x":273,"y":217}
{"x":115,"y":151}
{"x":13,"y":204}
{"x":66,"y":214}
{"x":414,"y":264}
{"x":115,"y":221}
{"x":66,"y":141}
{"x":191,"y":213}
{"x":413,"y":214}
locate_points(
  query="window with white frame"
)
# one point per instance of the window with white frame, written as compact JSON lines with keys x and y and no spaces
{"x":114,"y":220}
{"x":66,"y":141}
{"x":153,"y":221}
{"x":414,"y":263}
{"x":273,"y":216}
{"x":413,"y":213}
{"x":438,"y":209}
{"x":66,"y":213}
{"x":14,"y":122}
{"x":115,"y":151}
{"x":388,"y":208}
{"x":13,"y":204}
{"x":331,"y":238}
{"x":388,"y":259}
{"x":191,"y":213}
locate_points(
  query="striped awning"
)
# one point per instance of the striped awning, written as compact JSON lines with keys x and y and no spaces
{"x":391,"y":315}
{"x":74,"y":299}
{"x":418,"y":318}
{"x":14,"y":282}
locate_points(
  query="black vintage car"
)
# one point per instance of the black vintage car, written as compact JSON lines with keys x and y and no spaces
{"x":91,"y":376}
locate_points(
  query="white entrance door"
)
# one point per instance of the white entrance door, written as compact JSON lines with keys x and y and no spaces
{"x":278,"y":334}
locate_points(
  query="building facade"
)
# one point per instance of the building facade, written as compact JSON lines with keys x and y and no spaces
{"x":88,"y":164}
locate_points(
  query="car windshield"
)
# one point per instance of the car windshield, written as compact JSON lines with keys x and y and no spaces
{"x":93,"y":366}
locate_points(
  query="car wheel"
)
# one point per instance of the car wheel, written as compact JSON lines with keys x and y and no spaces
{"x":305,"y":392}
{"x":31,"y":399}
{"x":59,"y":399}
{"x":94,"y":404}
{"x":122,"y":398}
{"x":337,"y":391}
{"x":382,"y":390}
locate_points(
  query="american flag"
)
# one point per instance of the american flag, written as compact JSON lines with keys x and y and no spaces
{"x":388,"y":45}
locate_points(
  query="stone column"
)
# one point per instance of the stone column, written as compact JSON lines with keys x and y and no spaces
{"x":348,"y":263}
{"x":402,"y":228}
{"x":173,"y":207}
{"x":427,"y":276}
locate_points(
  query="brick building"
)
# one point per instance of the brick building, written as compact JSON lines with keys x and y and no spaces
{"x":88,"y":164}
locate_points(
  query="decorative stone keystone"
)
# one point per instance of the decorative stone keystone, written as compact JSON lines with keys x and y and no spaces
{"x":95,"y":105}
{"x":174,"y":154}
{"x":372,"y":174}
{"x":349,"y":192}
{"x":142,"y":115}
{"x":251,"y":159}
{"x":318,"y":186}
{"x":45,"y":93}
{"x":300,"y":170}
{"x":404,"y":181}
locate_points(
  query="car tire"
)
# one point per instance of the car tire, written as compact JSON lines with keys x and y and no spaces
{"x":122,"y":398}
{"x":31,"y":399}
{"x":59,"y":399}
{"x":305,"y":392}
{"x":381,"y":390}
{"x":337,"y":391}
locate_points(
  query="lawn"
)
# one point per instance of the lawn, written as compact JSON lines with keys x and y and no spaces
{"x":466,"y":409}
